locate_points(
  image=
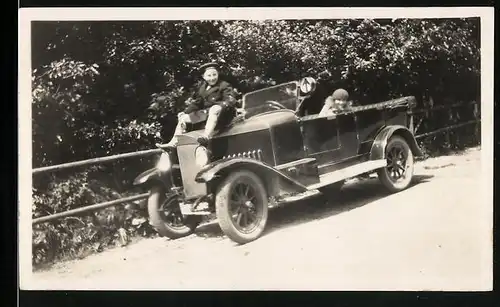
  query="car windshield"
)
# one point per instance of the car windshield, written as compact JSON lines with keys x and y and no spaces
{"x":282,"y":96}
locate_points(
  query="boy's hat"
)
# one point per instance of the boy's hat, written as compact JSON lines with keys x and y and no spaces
{"x":340,"y":94}
{"x":206,"y":66}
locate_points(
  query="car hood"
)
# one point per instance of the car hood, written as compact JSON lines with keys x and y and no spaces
{"x":254,"y":123}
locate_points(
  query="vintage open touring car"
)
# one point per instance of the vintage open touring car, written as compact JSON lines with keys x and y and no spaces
{"x":271,"y":154}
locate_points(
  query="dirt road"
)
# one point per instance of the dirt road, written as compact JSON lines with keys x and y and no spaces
{"x":434,"y":236}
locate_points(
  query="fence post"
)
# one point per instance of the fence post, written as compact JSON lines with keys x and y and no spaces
{"x":448,"y":132}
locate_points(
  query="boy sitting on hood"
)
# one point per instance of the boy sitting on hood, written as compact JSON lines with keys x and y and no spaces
{"x":214,"y":94}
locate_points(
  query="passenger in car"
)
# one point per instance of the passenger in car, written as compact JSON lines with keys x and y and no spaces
{"x":214,"y":94}
{"x":338,"y":101}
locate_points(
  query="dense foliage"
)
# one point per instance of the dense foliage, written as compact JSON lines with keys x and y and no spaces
{"x":102,"y":88}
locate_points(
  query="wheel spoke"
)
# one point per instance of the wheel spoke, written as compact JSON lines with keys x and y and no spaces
{"x":245,"y":219}
{"x":242,"y":189}
{"x":399,"y":173}
{"x":247,"y":189}
{"x":238,"y":218}
{"x":235,"y":197}
{"x":236,"y":212}
{"x":250,"y":217}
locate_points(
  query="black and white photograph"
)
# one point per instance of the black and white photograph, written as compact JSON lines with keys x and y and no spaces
{"x":256,"y":149}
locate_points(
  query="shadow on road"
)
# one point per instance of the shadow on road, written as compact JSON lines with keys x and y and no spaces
{"x":351,"y":196}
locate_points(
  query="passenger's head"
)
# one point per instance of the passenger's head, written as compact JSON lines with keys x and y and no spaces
{"x":340,"y":95}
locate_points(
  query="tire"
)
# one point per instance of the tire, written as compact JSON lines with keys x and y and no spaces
{"x":398,"y":173}
{"x":180,"y":226}
{"x":253,"y":204}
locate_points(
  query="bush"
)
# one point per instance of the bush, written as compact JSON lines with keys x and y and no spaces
{"x":72,"y":237}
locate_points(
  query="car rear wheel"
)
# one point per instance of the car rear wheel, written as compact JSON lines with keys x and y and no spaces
{"x":242,"y":206}
{"x":398,"y":173}
{"x":165,"y":215}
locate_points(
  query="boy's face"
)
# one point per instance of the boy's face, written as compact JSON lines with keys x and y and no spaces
{"x":211,"y":76}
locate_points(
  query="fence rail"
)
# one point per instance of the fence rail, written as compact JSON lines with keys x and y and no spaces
{"x":446,"y":129}
{"x":95,"y":207}
{"x":441,"y":107}
{"x":95,"y":160}
{"x":115,"y":202}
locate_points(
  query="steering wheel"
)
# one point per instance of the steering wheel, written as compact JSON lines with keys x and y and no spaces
{"x":276,"y":104}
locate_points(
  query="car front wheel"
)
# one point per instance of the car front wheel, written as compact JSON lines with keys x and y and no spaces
{"x":398,"y":173}
{"x":242,"y":206}
{"x":165,"y":215}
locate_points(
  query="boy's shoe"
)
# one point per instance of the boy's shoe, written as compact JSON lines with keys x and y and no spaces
{"x":203,"y":140}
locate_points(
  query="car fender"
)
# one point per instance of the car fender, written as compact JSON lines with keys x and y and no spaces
{"x":377,"y":150}
{"x":215,"y":170}
{"x":154,"y":175}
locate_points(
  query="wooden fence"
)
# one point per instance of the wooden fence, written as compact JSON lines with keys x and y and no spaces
{"x":73,"y":212}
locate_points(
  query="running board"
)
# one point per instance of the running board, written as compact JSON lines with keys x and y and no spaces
{"x":294,"y":163}
{"x":293,"y":198}
{"x":348,"y":172}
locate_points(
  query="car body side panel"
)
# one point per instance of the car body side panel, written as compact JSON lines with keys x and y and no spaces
{"x":321,"y":136}
{"x":258,"y":141}
{"x":368,"y":122}
{"x":395,"y":116}
{"x":287,"y":142}
{"x":349,"y":137}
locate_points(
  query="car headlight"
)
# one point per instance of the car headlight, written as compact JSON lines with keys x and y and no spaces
{"x":164,"y":163}
{"x":201,"y":156}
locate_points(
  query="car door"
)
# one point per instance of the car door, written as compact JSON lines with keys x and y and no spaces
{"x":330,"y":139}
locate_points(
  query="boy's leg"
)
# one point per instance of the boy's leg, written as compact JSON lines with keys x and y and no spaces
{"x":213,"y":116}
{"x":179,"y":129}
